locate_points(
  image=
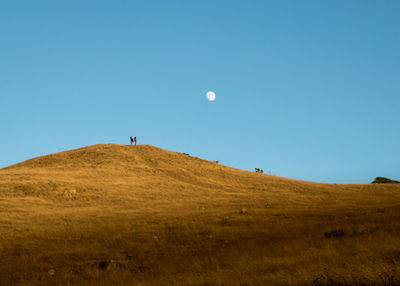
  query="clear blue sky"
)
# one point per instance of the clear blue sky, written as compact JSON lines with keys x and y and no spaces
{"x":305,"y":89}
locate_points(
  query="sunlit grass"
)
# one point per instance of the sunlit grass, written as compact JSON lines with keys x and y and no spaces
{"x":166,"y":218}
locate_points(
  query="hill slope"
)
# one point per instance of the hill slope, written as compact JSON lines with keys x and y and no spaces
{"x":115,"y":214}
{"x":103,"y":172}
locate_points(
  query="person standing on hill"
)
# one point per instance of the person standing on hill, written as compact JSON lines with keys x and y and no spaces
{"x":135,"y":140}
{"x":132,"y":140}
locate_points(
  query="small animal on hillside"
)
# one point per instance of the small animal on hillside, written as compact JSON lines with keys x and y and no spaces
{"x":132,"y":140}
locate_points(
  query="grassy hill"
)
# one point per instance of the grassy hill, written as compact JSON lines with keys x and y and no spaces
{"x":140,"y":215}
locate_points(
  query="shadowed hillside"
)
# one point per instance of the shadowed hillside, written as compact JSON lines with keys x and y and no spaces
{"x":140,"y":215}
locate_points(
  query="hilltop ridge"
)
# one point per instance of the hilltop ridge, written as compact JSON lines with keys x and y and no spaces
{"x":113,"y":155}
{"x":125,"y":167}
{"x":93,"y":154}
{"x":119,"y":169}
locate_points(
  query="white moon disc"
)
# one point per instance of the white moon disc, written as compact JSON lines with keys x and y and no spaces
{"x":210,"y":96}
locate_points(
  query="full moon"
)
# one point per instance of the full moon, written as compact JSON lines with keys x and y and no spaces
{"x":210,"y":96}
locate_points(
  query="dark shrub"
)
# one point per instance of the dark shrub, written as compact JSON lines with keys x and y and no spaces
{"x":382,"y":180}
{"x":334,"y":233}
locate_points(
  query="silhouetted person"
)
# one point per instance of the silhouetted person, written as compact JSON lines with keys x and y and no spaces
{"x":135,"y":140}
{"x":132,"y":140}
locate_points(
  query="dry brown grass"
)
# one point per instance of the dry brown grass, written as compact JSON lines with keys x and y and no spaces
{"x":166,"y":218}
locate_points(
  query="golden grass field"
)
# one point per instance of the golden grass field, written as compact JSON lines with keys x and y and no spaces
{"x":140,"y":215}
